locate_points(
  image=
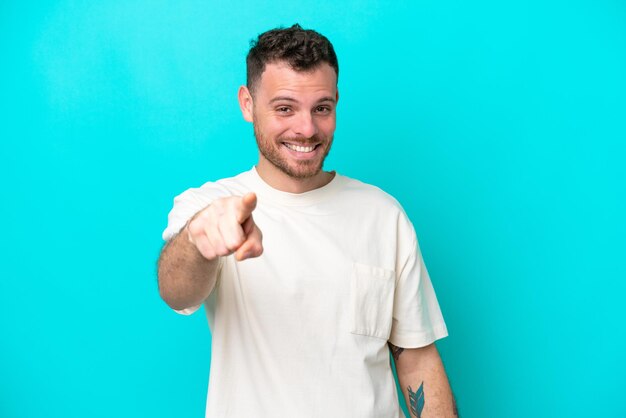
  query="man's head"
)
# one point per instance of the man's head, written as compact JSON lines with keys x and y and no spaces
{"x":291,"y":98}
{"x":301,"y":49}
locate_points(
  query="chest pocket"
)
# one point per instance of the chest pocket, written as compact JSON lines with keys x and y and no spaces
{"x":371,"y":300}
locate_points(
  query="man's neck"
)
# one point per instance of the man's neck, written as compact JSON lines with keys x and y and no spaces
{"x":279,"y":180}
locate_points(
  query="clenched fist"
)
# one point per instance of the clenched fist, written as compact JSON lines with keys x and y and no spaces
{"x":225,"y":227}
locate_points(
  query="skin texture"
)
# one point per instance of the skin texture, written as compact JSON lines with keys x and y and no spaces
{"x":424,"y":381}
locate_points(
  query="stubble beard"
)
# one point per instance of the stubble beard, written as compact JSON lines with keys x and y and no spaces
{"x":303,"y":169}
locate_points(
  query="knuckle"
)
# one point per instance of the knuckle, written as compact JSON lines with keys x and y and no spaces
{"x":234,"y":243}
{"x":208,"y":253}
{"x":230,"y":246}
{"x":222,"y":251}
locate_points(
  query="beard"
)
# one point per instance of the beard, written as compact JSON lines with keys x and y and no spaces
{"x":298,"y":169}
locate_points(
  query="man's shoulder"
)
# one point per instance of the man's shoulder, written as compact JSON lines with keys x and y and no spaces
{"x":371,"y":193}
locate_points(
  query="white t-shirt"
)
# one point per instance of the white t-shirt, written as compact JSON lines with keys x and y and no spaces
{"x":302,"y":330}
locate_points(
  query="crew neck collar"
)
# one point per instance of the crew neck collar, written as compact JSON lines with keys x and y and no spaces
{"x":265,"y":191}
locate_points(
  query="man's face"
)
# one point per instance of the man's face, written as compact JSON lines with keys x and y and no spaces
{"x":294,"y":118}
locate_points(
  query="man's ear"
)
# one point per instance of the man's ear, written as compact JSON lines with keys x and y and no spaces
{"x":245,"y":103}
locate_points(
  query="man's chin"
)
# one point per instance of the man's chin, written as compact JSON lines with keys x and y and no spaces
{"x":301,"y":173}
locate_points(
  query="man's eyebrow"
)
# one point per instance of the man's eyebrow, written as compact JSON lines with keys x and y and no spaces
{"x":282,"y":99}
{"x":327,"y":99}
{"x":291,"y":99}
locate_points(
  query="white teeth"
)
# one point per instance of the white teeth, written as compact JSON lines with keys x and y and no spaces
{"x":299,"y":148}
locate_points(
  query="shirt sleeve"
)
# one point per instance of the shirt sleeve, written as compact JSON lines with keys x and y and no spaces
{"x":417,"y":319}
{"x":186,"y":205}
{"x":189,"y":203}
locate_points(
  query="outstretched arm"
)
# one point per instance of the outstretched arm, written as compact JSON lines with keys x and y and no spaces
{"x":424,"y":382}
{"x":187,"y":267}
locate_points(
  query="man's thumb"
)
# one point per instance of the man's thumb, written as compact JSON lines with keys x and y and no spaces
{"x":252,"y":246}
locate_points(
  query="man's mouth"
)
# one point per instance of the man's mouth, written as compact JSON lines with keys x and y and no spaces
{"x":301,"y":148}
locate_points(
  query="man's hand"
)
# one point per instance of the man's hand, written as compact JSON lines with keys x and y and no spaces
{"x":225,"y":227}
{"x":188,"y":265}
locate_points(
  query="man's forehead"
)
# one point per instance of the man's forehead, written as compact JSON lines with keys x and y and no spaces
{"x":279,"y":78}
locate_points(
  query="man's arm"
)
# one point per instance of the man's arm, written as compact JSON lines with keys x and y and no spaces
{"x":187,"y":267}
{"x":424,"y":382}
{"x":186,"y":278}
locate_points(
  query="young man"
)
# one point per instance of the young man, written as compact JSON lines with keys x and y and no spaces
{"x":308,"y":278}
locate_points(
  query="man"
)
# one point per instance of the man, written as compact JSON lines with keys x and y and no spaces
{"x":309,"y":278}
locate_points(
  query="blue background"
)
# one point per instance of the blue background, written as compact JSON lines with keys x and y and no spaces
{"x":500,"y":126}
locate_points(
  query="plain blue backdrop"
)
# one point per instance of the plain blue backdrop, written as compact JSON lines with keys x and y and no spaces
{"x":500,"y":126}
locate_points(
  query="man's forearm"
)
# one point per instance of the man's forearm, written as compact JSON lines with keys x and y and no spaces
{"x":424,"y":382}
{"x":185,"y":277}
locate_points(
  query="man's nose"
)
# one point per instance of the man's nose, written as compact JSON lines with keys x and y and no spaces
{"x":305,"y":125}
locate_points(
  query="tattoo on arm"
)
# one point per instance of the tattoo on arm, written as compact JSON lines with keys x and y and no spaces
{"x":395,"y":351}
{"x":416,"y":400}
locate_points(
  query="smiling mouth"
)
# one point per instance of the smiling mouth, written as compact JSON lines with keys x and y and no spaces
{"x":301,"y":148}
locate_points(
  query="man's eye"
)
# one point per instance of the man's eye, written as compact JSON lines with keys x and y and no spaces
{"x":282,"y":109}
{"x":322,"y":109}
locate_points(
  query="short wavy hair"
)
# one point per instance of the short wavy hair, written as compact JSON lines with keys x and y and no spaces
{"x":302,"y":49}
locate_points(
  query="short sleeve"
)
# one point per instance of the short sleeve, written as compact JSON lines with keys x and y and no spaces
{"x":189,"y":203}
{"x":417,"y":319}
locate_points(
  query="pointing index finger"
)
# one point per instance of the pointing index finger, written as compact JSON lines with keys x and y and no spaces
{"x":246,"y":206}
